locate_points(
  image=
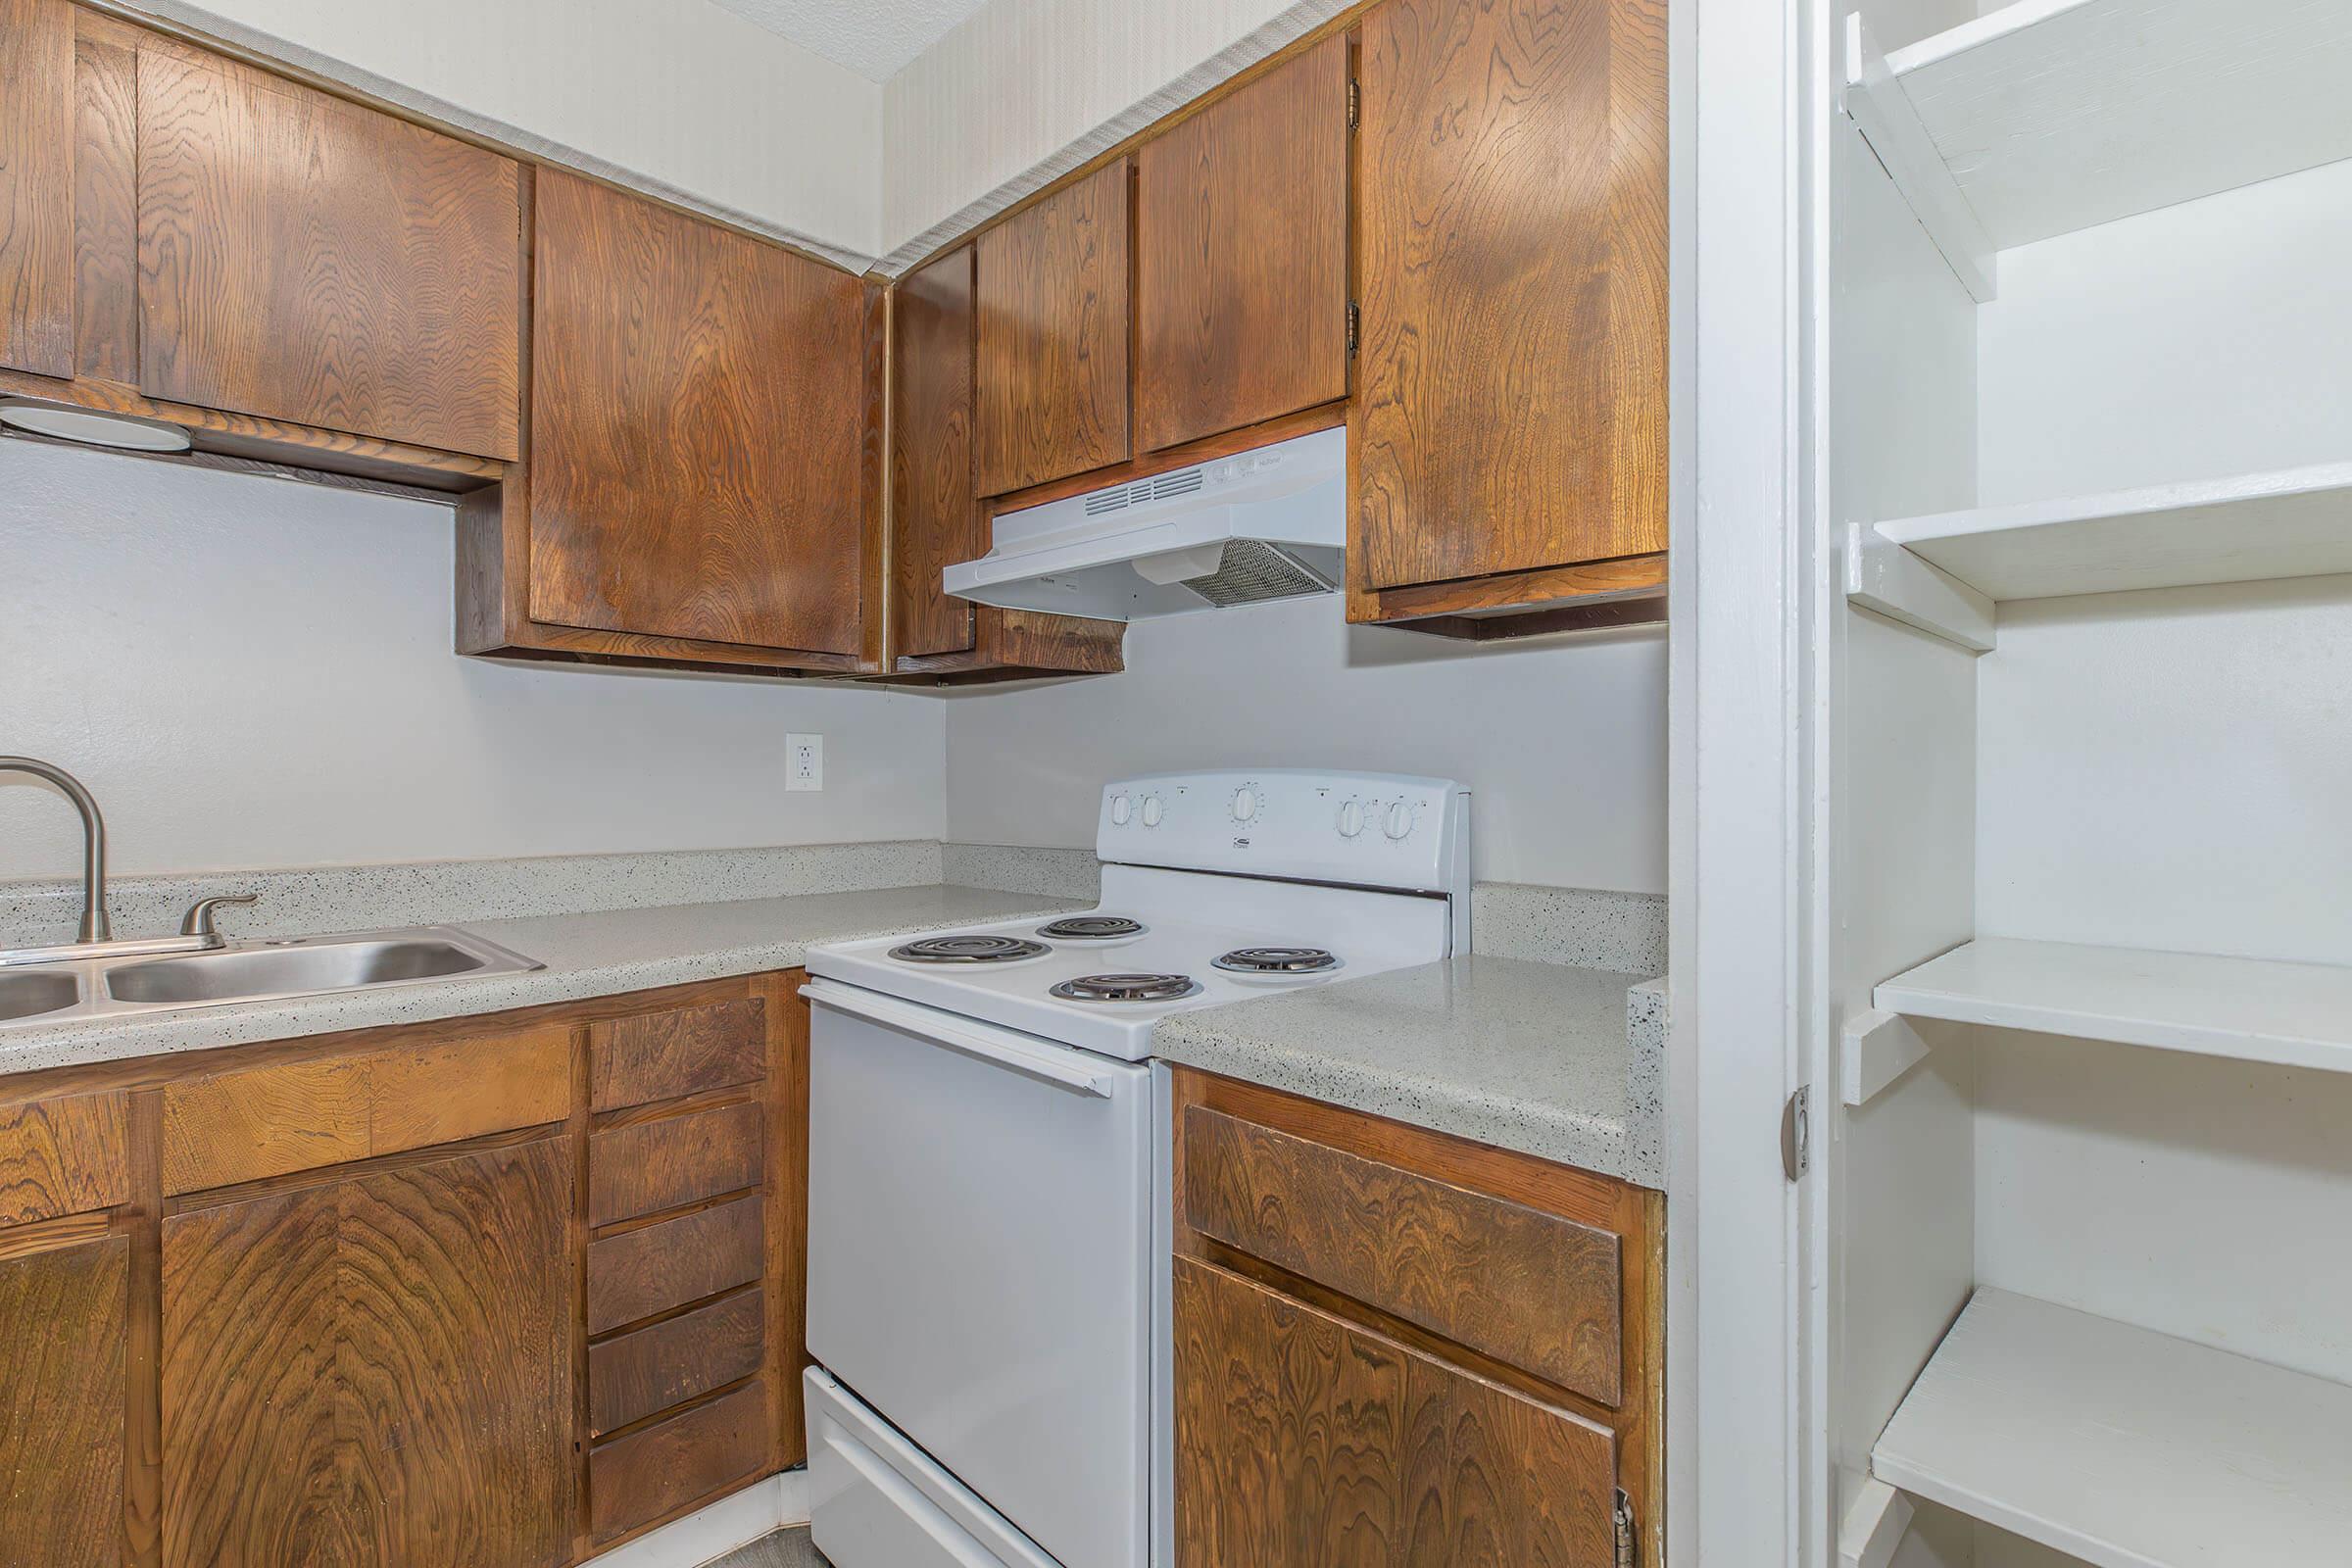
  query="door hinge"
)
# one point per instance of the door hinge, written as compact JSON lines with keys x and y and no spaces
{"x":1629,"y":1543}
{"x":1355,"y":103}
{"x":1355,"y":326}
{"x":1796,"y":1132}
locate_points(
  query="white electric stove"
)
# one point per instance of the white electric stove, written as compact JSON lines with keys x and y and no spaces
{"x":988,"y":1203}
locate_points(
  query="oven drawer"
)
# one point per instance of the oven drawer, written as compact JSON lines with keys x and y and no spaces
{"x":874,"y":1498}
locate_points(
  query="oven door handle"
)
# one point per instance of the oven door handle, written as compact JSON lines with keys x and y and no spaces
{"x":984,"y":1041}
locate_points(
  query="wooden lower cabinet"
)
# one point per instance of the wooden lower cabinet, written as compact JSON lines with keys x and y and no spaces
{"x":490,"y":1292}
{"x":1395,"y":1348}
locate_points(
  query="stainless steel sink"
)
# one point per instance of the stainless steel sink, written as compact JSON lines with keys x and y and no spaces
{"x":29,"y":996}
{"x":248,"y":971}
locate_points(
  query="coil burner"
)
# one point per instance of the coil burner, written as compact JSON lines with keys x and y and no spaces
{"x":1279,"y":961}
{"x":1128,"y":988}
{"x":973,"y":949}
{"x":1092,"y":928}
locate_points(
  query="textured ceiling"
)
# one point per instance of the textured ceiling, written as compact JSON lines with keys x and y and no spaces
{"x":872,"y":38}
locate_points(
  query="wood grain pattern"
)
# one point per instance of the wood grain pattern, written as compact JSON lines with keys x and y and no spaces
{"x":243,"y":1125}
{"x":1532,"y":1289}
{"x":667,"y":1054}
{"x":62,"y":1404}
{"x":63,"y":1155}
{"x":106,"y":198}
{"x":641,"y":1272}
{"x":303,"y":258}
{"x":1629,"y":591}
{"x":659,"y":1469}
{"x":1241,"y":256}
{"x":935,"y":509}
{"x":36,"y":176}
{"x":372,"y":1371}
{"x":787,"y":1221}
{"x":1511,"y":395}
{"x":699,"y":423}
{"x":1305,"y":1441}
{"x":1052,"y":336}
{"x":645,"y":1168}
{"x":676,"y":1359}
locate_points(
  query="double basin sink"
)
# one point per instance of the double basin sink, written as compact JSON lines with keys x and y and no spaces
{"x":247,"y":972}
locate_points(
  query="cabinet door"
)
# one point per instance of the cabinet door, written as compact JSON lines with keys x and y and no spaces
{"x":1052,"y":336}
{"x":934,"y":513}
{"x":62,"y":1404}
{"x":36,"y":184}
{"x":374,"y":1372}
{"x":1304,"y":1441}
{"x":1510,"y":386}
{"x":302,"y":257}
{"x":699,"y":423}
{"x":1241,"y":256}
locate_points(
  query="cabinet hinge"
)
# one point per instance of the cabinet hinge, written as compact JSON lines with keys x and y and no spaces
{"x":1796,"y":1132}
{"x":1355,"y":323}
{"x":1629,"y":1542}
{"x":1355,"y":103}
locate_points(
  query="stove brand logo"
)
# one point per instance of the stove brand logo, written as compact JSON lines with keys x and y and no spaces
{"x":1240,"y":844}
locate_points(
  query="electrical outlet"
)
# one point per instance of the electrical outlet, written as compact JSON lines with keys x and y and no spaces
{"x":804,"y":761}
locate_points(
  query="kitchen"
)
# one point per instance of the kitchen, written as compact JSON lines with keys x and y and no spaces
{"x":1004,"y":845}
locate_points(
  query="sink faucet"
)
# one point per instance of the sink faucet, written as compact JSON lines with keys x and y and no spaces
{"x":94,"y":924}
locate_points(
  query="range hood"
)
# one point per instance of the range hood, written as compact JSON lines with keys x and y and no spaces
{"x":1238,"y":530}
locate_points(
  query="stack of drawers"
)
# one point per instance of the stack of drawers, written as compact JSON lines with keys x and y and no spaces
{"x":683,"y":1396}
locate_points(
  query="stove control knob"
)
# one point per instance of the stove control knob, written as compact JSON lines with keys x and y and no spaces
{"x":1153,"y":811}
{"x":1245,"y":804}
{"x":1400,"y":821}
{"x":1351,"y":819}
{"x":1121,"y":808}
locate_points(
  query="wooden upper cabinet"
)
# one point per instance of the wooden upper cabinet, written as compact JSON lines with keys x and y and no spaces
{"x":1509,"y":414}
{"x":375,"y":1371}
{"x":700,"y":429}
{"x":935,"y":512}
{"x":37,"y":174}
{"x":1052,"y":336}
{"x":1241,"y":256}
{"x":301,"y":258}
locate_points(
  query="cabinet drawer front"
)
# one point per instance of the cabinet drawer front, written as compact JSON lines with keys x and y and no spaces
{"x":641,"y":1272}
{"x":637,"y":1479}
{"x":1304,"y":1441}
{"x":631,"y":1377}
{"x":300,"y":1115}
{"x":66,"y":1156}
{"x":662,"y":1055}
{"x":1538,"y":1291}
{"x":649,"y":1167}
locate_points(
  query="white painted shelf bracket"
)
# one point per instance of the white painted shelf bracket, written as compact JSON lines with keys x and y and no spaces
{"x":1875,"y":1524}
{"x":1882,"y":575}
{"x":1878,"y":1046}
{"x":1877,"y":104}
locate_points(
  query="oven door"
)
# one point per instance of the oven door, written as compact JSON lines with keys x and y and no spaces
{"x":979,"y":1241}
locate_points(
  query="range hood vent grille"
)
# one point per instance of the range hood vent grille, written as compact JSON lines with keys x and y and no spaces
{"x":1159,"y":487}
{"x":1253,"y":571}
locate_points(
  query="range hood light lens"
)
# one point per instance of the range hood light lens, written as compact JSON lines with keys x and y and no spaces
{"x":119,"y":431}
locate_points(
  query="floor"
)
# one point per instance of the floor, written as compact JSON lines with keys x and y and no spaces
{"x":786,"y":1549}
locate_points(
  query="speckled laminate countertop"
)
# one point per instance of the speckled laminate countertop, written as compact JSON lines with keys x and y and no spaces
{"x":595,"y":954}
{"x":1549,"y":1060}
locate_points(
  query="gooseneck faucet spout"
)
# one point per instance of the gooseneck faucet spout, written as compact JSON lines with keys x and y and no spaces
{"x":94,"y":924}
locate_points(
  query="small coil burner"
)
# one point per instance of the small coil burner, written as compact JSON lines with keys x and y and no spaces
{"x":1092,"y":928}
{"x":974,"y":949}
{"x":1278,"y":962}
{"x":1128,"y":988}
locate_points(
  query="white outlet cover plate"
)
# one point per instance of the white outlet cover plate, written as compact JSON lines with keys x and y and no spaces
{"x":804,"y":761}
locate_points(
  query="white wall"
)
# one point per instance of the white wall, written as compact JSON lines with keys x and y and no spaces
{"x":1564,"y":741}
{"x":678,"y":93}
{"x":254,"y":673}
{"x":1025,"y":84}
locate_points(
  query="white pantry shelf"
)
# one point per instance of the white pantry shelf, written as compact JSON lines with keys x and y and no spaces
{"x":2056,"y":114}
{"x":2245,"y":1009}
{"x":2124,"y":1448}
{"x":2283,"y":522}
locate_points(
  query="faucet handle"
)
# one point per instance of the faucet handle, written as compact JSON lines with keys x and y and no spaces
{"x":198,"y":923}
